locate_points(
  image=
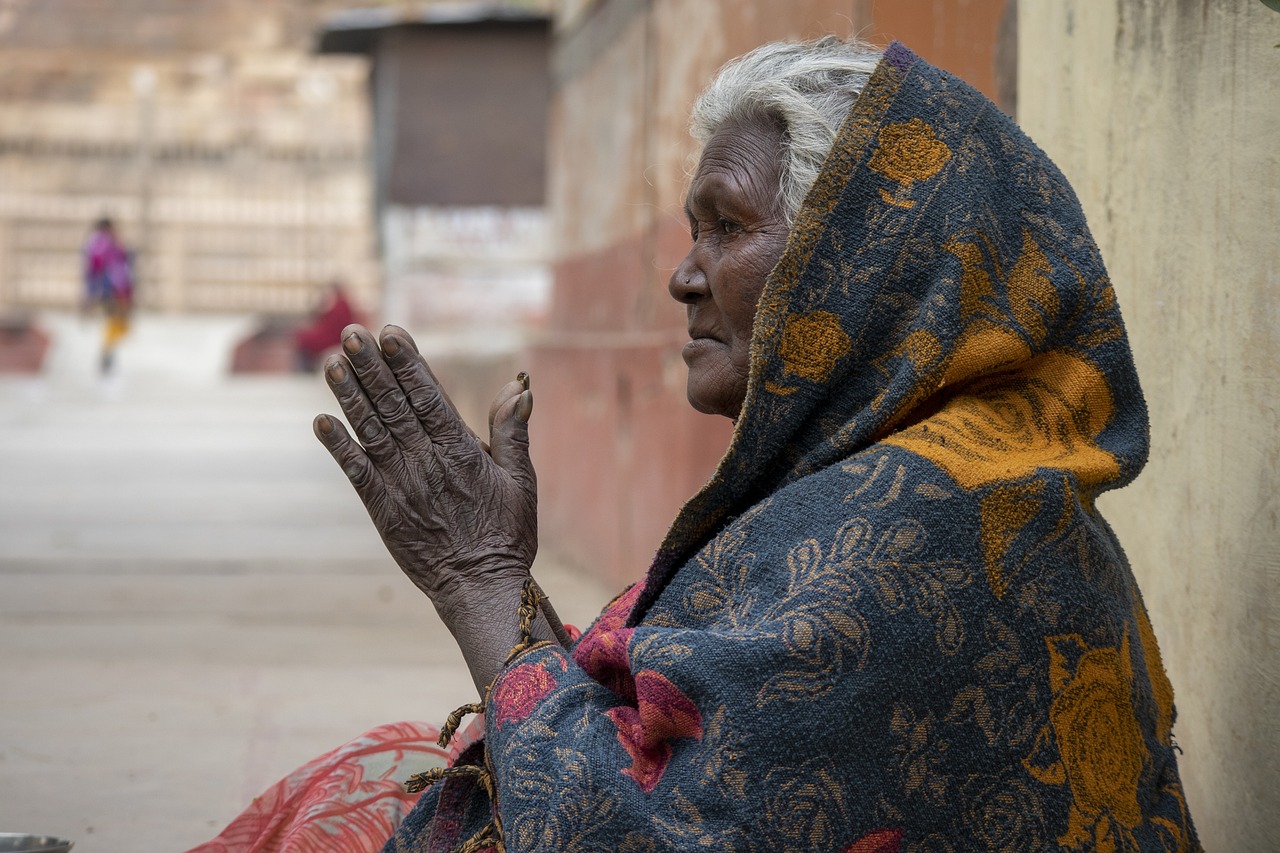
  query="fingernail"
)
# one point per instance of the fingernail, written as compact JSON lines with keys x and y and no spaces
{"x":524,"y":408}
{"x":523,"y":379}
{"x":390,"y":346}
{"x":325,"y":424}
{"x":337,"y":372}
{"x":351,"y":344}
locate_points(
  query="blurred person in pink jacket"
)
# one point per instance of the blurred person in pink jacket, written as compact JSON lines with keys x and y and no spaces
{"x":108,"y":280}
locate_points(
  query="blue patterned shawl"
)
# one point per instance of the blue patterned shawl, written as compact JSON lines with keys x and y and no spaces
{"x":893,"y":619}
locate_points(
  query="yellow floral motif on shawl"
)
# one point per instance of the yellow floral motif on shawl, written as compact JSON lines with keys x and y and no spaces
{"x":909,"y":151}
{"x":993,"y":338}
{"x":1044,"y":411}
{"x":1005,"y":511}
{"x":1009,"y":412}
{"x":812,"y":344}
{"x":1100,"y":751}
{"x":1002,"y":430}
{"x":1032,"y":296}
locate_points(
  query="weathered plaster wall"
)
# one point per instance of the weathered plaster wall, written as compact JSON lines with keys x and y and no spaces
{"x":973,"y":39}
{"x":1165,"y":116}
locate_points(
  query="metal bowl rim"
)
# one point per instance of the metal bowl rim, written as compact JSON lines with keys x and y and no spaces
{"x":50,"y":843}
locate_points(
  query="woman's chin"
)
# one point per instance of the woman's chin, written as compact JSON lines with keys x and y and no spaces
{"x":701,"y":406}
{"x":711,"y":397}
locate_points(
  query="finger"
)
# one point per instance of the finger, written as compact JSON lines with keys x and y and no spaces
{"x":388,"y":401}
{"x":375,"y":437}
{"x":509,"y":438}
{"x":426,"y":398}
{"x":511,"y":389}
{"x":353,"y":461}
{"x":403,"y":337}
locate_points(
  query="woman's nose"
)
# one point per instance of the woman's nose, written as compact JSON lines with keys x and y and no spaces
{"x":687,"y":283}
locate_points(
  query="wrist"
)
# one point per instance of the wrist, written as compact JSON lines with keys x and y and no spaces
{"x":469,"y":604}
{"x":490,"y":622}
{"x":481,"y":585}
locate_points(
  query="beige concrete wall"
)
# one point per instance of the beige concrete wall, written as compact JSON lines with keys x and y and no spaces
{"x":1166,"y":118}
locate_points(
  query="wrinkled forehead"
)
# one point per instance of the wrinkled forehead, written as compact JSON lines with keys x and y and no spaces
{"x":743,"y":158}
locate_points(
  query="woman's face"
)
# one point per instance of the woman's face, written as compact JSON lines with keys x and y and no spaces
{"x":739,"y":232}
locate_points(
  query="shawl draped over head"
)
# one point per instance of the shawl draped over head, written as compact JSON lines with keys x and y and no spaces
{"x":893,"y":620}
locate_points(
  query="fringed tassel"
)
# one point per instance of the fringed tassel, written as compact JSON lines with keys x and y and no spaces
{"x":530,"y":597}
{"x":454,"y":720}
{"x":421,"y":781}
{"x":488,"y":838}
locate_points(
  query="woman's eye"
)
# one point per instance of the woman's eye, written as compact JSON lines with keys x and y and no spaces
{"x":721,"y":226}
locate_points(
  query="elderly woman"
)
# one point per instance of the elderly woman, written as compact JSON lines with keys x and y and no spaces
{"x":893,"y":620}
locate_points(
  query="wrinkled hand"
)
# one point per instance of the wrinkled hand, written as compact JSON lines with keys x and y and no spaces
{"x":459,"y":517}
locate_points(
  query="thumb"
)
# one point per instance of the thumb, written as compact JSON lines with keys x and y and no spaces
{"x":509,"y":436}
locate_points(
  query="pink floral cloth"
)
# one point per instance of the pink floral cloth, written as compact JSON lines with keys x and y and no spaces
{"x":351,"y":799}
{"x":660,"y":712}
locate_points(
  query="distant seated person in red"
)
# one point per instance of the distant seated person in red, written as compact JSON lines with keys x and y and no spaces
{"x":322,"y":333}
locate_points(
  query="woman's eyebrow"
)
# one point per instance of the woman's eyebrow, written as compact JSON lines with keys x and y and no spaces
{"x":710,"y":194}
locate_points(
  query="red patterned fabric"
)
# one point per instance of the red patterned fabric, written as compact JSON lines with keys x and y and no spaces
{"x":351,"y":799}
{"x":662,"y":714}
{"x":603,"y":650}
{"x":517,"y":696}
{"x":880,"y":841}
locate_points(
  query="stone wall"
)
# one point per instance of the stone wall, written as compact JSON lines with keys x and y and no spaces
{"x":1165,"y":117}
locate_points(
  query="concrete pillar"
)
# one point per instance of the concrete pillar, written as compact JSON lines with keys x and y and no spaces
{"x":6,"y":266}
{"x":169,"y":279}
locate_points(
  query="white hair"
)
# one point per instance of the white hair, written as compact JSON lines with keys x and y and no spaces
{"x":806,"y":89}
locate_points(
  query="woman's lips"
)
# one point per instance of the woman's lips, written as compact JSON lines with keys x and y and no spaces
{"x":697,"y":346}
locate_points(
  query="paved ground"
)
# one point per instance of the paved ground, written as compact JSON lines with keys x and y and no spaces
{"x":192,"y":602}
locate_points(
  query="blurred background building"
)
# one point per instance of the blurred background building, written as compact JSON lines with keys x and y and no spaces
{"x":252,"y":150}
{"x":459,"y":114}
{"x":232,"y":158}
